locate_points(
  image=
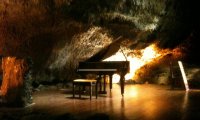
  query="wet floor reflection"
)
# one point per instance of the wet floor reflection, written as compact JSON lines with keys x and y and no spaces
{"x":185,"y":105}
{"x":140,"y":102}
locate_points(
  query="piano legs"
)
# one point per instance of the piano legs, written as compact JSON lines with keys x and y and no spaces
{"x":110,"y":78}
{"x":122,"y":80}
{"x":102,"y":83}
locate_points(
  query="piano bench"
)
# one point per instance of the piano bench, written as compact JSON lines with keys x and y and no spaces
{"x":83,"y":83}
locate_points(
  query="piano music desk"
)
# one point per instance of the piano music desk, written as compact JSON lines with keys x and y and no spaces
{"x":84,"y":82}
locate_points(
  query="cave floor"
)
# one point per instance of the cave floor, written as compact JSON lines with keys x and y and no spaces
{"x":140,"y":102}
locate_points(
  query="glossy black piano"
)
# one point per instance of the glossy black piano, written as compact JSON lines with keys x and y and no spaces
{"x":96,"y":65}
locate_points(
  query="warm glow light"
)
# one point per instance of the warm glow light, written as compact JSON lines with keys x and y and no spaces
{"x":183,"y":75}
{"x":13,"y":74}
{"x":116,"y":78}
{"x":136,"y":61}
{"x":149,"y":53}
{"x":132,"y":92}
{"x":135,"y":64}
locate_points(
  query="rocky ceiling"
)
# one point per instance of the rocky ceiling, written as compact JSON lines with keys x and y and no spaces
{"x":57,"y":34}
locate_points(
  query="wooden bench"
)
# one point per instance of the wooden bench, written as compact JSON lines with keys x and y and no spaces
{"x":83,"y":83}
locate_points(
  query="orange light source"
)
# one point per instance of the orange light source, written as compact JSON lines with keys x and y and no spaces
{"x":137,"y":59}
{"x":13,"y":74}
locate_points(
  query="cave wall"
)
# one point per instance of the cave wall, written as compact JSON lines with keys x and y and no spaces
{"x":16,"y":89}
{"x":56,"y":34}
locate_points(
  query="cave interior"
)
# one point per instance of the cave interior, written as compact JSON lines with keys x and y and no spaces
{"x":43,"y":41}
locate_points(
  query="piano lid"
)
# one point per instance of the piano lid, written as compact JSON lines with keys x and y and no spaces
{"x":107,"y":51}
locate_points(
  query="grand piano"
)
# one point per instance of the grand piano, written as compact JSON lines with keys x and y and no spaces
{"x":96,"y":65}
